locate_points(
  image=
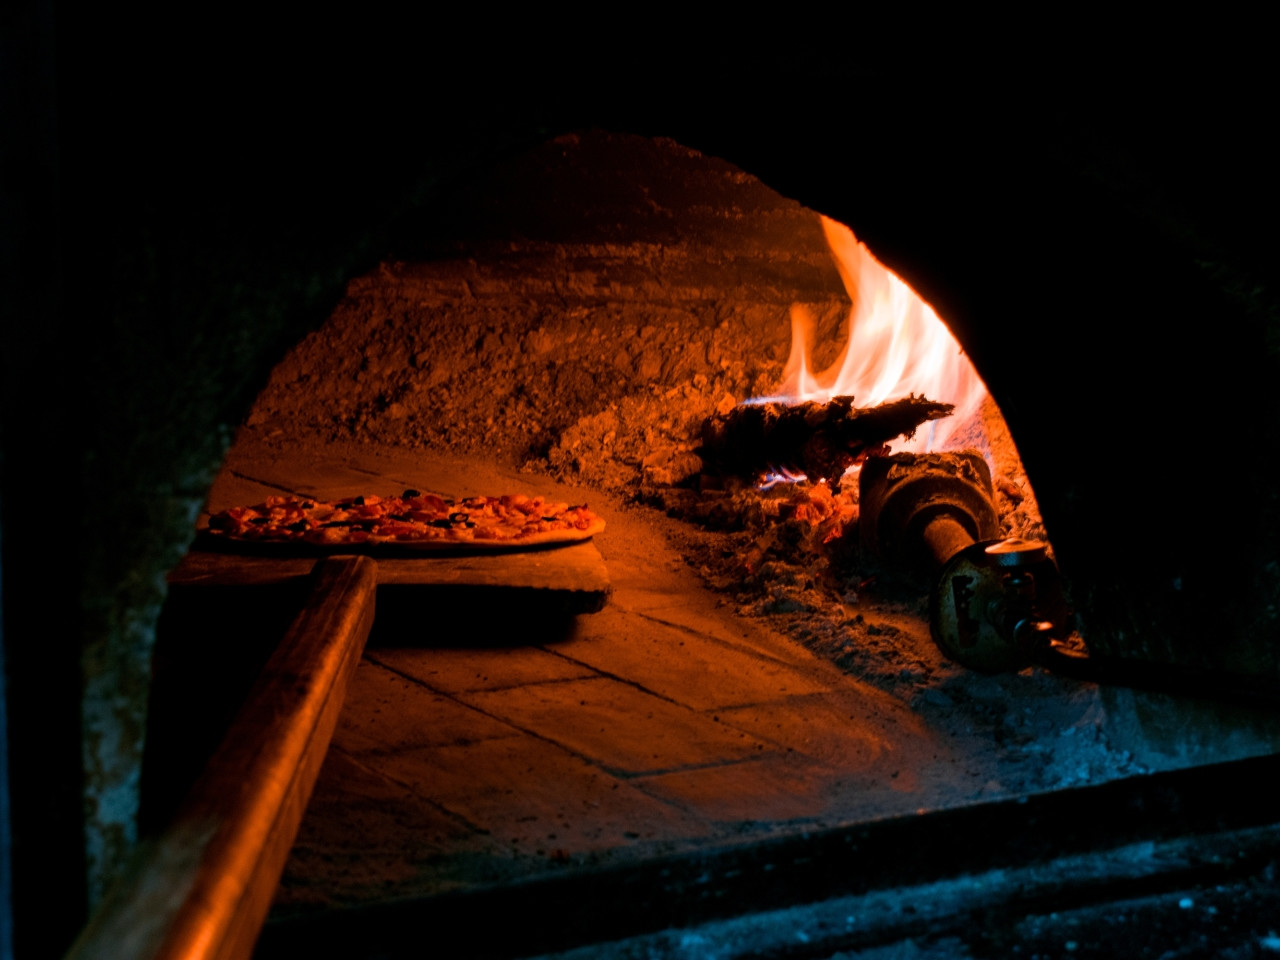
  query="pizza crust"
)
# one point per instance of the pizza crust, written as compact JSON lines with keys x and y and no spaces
{"x":413,"y":525}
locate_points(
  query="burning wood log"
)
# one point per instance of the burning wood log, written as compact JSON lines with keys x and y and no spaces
{"x":820,"y":440}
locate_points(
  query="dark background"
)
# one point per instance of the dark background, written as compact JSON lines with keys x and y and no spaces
{"x":185,"y":194}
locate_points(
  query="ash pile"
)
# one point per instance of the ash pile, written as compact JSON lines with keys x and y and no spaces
{"x":775,"y":522}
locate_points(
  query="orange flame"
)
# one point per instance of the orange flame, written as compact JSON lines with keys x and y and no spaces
{"x":897,"y":346}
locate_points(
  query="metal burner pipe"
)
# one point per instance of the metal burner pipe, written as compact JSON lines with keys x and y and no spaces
{"x":997,"y":603}
{"x":945,"y":536}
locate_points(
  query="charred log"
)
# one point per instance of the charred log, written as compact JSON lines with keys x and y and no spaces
{"x":820,"y":440}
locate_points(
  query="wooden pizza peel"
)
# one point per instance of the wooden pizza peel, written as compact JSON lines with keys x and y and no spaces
{"x":253,"y":657}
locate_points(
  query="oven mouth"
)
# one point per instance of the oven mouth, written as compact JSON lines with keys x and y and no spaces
{"x":585,"y":348}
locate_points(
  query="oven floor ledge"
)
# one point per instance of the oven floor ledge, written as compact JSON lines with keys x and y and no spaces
{"x":1142,"y":899}
{"x":1193,"y":835}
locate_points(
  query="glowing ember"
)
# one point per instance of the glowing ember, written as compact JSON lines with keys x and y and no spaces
{"x":897,"y":346}
{"x":781,"y":475}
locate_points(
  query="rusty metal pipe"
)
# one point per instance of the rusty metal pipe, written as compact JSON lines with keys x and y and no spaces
{"x":944,"y":536}
{"x":919,"y":510}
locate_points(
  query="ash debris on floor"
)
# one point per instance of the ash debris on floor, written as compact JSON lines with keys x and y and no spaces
{"x":578,"y":312}
{"x":791,"y":553}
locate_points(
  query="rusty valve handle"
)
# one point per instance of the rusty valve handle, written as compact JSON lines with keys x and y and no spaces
{"x":997,"y":603}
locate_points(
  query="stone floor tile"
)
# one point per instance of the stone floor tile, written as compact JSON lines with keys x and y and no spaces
{"x":385,"y":712}
{"x":365,"y":835}
{"x":681,"y":664}
{"x":846,"y":731}
{"x":454,"y":670}
{"x":533,"y":796}
{"x":765,"y":791}
{"x":617,"y":726}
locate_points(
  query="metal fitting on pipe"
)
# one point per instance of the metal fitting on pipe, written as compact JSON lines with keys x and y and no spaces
{"x":997,"y":603}
{"x":918,"y":510}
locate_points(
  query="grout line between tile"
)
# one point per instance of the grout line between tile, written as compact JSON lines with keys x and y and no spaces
{"x":614,"y":772}
{"x":452,"y":814}
{"x":692,"y":631}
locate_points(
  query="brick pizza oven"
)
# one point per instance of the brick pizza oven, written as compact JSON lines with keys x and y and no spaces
{"x":1098,"y":242}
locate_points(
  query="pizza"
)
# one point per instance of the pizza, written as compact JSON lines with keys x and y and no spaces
{"x":414,"y":520}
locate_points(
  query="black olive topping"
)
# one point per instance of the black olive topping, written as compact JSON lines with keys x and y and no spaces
{"x":458,"y":518}
{"x":308,"y":505}
{"x":446,"y":524}
{"x":358,"y":501}
{"x":468,"y":524}
{"x":260,"y":520}
{"x":298,"y":527}
{"x":337,"y":523}
{"x":399,"y":516}
{"x":413,"y":493}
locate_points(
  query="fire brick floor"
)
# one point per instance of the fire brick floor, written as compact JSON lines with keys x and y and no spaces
{"x":490,"y":752}
{"x":480,"y":748}
{"x":661,"y":723}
